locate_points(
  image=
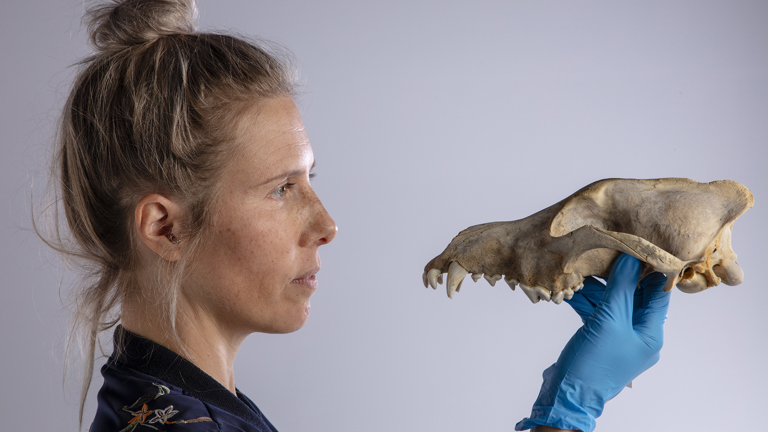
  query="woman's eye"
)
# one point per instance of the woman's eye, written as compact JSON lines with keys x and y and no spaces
{"x":282,"y":190}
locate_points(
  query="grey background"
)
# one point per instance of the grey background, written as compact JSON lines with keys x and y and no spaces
{"x":428,"y":117}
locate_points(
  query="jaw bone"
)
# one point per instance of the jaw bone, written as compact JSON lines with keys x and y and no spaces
{"x":679,"y":227}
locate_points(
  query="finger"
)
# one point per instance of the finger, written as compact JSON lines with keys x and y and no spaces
{"x":649,"y":319}
{"x":638,"y":301}
{"x":618,"y":300}
{"x":587,"y":298}
{"x":646,"y":295}
{"x":652,"y":297}
{"x":593,"y":290}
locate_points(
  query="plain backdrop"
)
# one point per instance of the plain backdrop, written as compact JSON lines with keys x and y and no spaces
{"x":428,"y":117}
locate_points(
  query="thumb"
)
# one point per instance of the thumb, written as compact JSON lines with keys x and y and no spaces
{"x":586,"y":300}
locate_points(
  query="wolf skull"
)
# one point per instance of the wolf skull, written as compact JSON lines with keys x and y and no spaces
{"x":676,"y":226}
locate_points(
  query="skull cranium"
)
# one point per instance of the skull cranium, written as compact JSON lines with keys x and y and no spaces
{"x":677,"y":226}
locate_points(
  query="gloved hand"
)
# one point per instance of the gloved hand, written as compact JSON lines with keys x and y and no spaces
{"x":621,"y":337}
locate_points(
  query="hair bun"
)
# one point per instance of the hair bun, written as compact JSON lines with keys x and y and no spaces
{"x":116,"y":25}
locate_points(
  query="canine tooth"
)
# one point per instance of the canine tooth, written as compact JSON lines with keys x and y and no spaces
{"x":424,"y":279}
{"x":456,"y":275}
{"x":531,"y":293}
{"x":476,"y":276}
{"x":558,"y":297}
{"x":432,"y":277}
{"x":568,"y":293}
{"x":492,"y":279}
{"x":511,"y":282}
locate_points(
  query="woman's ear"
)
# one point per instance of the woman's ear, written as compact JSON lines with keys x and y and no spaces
{"x":158,"y":223}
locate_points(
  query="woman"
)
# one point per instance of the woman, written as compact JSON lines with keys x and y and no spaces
{"x":184,"y":175}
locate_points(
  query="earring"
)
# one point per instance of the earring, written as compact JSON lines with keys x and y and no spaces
{"x":173,"y":239}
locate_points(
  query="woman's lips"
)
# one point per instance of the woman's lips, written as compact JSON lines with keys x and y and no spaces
{"x":306,"y":281}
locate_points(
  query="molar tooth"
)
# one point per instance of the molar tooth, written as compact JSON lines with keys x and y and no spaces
{"x":568,"y":293}
{"x":456,"y":275}
{"x":432,"y":277}
{"x":531,"y":293}
{"x":558,"y":297}
{"x":492,"y":279}
{"x":424,"y":279}
{"x":578,"y":287}
{"x":511,"y":282}
{"x":476,"y":276}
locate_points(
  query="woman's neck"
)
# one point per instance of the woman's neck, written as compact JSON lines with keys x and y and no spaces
{"x":197,"y":338}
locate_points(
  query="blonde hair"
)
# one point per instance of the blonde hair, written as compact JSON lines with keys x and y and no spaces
{"x":151,"y":111}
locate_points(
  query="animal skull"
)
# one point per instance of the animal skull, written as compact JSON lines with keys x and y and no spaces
{"x":677,"y":226}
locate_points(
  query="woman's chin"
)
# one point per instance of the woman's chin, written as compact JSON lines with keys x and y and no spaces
{"x":291,"y":323}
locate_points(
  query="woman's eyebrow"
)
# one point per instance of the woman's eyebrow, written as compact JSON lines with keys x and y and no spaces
{"x":289,"y":174}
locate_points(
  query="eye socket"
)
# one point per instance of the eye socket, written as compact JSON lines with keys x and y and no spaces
{"x":688,"y":273}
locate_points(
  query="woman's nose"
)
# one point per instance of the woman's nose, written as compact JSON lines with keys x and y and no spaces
{"x":328,"y":226}
{"x":321,"y":228}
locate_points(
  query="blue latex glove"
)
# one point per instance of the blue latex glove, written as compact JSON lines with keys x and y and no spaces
{"x":621,"y":337}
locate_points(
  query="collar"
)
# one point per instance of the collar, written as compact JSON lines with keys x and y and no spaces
{"x":153,"y":359}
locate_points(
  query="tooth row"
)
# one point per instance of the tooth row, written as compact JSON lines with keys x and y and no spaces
{"x":457,"y":273}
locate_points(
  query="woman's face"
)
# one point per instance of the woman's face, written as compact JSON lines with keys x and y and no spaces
{"x":256,"y":270}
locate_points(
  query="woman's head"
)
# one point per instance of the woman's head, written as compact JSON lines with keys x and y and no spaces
{"x":256,"y":271}
{"x":161,"y":110}
{"x":152,"y":112}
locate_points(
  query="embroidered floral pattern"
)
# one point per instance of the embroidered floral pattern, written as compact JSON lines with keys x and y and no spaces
{"x":141,"y":415}
{"x":161,"y":415}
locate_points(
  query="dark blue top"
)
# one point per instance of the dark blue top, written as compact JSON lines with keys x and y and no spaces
{"x":149,"y":387}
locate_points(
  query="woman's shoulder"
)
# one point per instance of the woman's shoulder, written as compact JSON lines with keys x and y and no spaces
{"x":148,"y":387}
{"x":130,"y":401}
